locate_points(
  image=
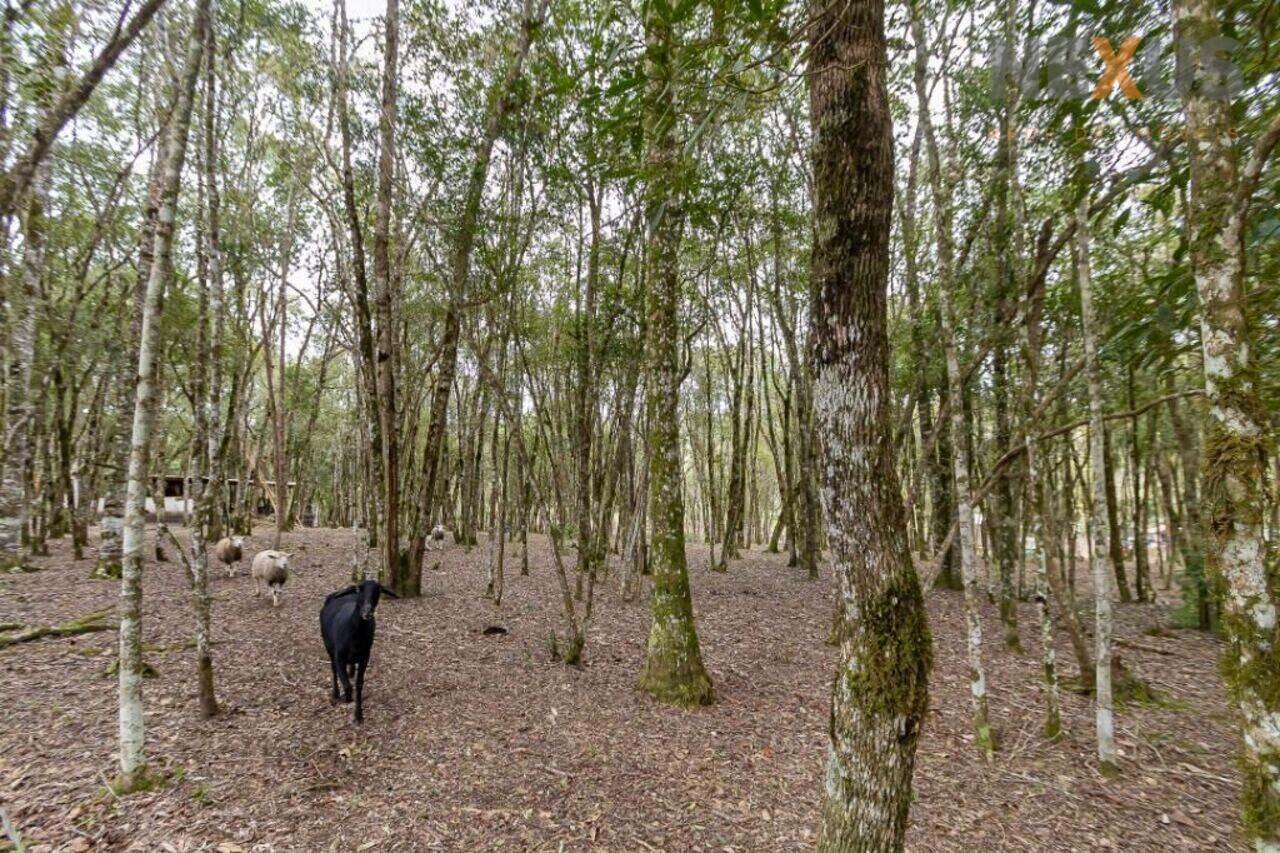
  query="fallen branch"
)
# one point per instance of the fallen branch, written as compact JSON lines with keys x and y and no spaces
{"x":90,"y":622}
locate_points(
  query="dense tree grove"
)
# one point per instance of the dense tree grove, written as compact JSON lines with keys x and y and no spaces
{"x":923,"y":295}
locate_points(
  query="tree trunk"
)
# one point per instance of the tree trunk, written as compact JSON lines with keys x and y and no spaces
{"x":1236,"y":436}
{"x":132,"y":732}
{"x":1098,"y":527}
{"x":985,"y":739}
{"x":880,"y":695}
{"x":20,"y":416}
{"x":1115,"y":541}
{"x":386,"y":309}
{"x":673,"y":670}
{"x":111,"y":529}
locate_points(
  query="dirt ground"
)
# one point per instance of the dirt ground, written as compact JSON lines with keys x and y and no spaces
{"x":475,"y":742}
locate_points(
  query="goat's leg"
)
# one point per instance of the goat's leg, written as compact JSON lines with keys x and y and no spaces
{"x":333,"y":668}
{"x":360,"y":692}
{"x":343,"y":675}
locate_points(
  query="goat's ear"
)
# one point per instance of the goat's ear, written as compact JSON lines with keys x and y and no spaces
{"x":387,"y":591}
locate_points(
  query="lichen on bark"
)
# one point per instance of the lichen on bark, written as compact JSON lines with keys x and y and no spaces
{"x":880,"y":690}
{"x":1235,"y":450}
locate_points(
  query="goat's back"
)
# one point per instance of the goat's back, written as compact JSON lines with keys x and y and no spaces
{"x":340,"y":624}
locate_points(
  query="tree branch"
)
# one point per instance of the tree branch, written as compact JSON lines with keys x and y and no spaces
{"x":15,"y":182}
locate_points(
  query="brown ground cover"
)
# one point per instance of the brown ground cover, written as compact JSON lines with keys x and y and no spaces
{"x":475,"y":742}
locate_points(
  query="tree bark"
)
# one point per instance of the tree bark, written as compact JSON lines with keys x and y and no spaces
{"x":984,"y":737}
{"x":20,"y":415}
{"x":132,"y":729}
{"x":386,"y":307}
{"x":1236,"y":435}
{"x":880,"y":694}
{"x":1103,"y":575}
{"x":673,"y":670}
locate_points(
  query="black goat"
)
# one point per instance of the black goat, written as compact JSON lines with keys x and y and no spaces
{"x":346,"y":624}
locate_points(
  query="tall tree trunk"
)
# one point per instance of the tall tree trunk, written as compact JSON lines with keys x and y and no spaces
{"x":20,"y":417}
{"x":1103,"y":576}
{"x":880,"y":695}
{"x":985,"y":739}
{"x":111,"y":530}
{"x":363,"y":321}
{"x":218,"y":438}
{"x":386,"y":308}
{"x":209,"y":429}
{"x":1236,"y":435}
{"x":673,"y":670}
{"x":1038,"y":509}
{"x":1004,"y":523}
{"x":132,"y":729}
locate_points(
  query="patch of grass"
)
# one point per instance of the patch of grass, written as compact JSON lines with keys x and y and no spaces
{"x":1139,"y":694}
{"x":201,"y":795}
{"x":146,"y":780}
{"x":1074,"y":684}
{"x":1186,"y":615}
{"x":1157,"y":630}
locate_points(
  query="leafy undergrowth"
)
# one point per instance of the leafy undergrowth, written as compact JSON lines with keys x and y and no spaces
{"x":478,"y":741}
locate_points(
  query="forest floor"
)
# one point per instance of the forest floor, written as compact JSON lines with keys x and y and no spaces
{"x":477,"y":742}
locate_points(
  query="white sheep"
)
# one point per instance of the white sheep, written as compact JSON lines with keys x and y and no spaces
{"x":436,"y":539}
{"x":273,"y":568}
{"x":229,"y":552}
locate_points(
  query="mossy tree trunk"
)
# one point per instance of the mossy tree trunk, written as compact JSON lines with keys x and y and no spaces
{"x":880,"y":692}
{"x":1236,"y":433}
{"x":673,"y":670}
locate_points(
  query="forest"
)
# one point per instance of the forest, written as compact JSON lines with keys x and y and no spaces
{"x":752,"y":426}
